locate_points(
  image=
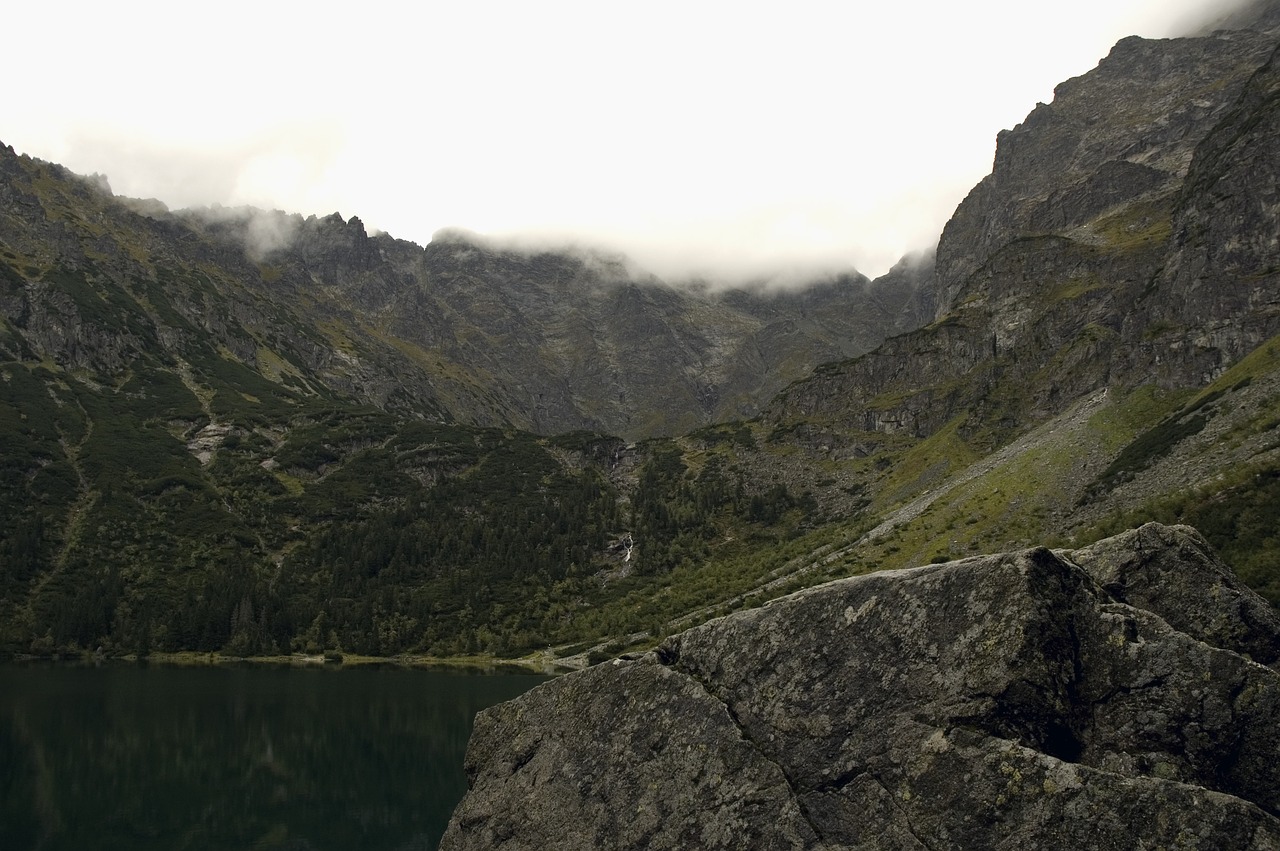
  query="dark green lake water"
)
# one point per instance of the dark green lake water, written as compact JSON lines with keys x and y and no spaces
{"x":126,"y":757}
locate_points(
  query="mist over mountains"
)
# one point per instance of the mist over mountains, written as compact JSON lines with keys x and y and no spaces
{"x":481,"y":332}
{"x":252,"y":432}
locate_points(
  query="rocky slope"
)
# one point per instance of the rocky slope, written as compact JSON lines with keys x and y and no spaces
{"x":1126,"y":235}
{"x":1121,"y":258}
{"x":547,"y":341}
{"x":1124,"y":131}
{"x":1098,"y":698}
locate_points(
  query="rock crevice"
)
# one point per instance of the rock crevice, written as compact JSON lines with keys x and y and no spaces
{"x":745,"y":732}
{"x":996,"y":702}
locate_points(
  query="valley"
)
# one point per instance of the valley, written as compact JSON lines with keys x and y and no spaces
{"x":250,"y":433}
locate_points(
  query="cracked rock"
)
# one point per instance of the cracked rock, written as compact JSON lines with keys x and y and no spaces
{"x":1005,"y":701}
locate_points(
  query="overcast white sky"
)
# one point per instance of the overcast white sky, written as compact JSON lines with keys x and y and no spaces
{"x":691,"y":135}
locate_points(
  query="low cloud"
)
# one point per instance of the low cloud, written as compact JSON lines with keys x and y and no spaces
{"x":262,"y":231}
{"x":1225,"y":14}
{"x":777,"y":245}
{"x":739,"y":146}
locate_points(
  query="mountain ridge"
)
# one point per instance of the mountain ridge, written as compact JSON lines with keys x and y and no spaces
{"x":542,"y":340}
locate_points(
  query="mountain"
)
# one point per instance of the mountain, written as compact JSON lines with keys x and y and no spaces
{"x":197,"y":403}
{"x":461,"y":330}
{"x":1084,"y":251}
{"x":247,"y":431}
{"x":1114,"y":280}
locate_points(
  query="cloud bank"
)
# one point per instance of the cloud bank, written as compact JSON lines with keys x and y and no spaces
{"x":701,"y":139}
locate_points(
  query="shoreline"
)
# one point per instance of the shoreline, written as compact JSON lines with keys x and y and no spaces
{"x":534,"y":664}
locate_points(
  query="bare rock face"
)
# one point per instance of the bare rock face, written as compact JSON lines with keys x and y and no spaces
{"x":1127,"y":235}
{"x":1124,"y":130}
{"x":1173,"y":572}
{"x":1222,"y":267}
{"x":1006,"y":701}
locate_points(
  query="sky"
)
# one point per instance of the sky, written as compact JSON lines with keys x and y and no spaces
{"x":722,"y":139}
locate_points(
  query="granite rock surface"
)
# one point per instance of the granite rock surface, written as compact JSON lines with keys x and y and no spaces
{"x":1101,"y":698}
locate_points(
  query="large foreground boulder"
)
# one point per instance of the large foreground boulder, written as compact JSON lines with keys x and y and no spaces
{"x":1007,"y":701}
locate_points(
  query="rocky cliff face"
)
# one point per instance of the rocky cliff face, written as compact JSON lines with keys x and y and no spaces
{"x":1217,"y":296}
{"x":1126,"y":236}
{"x":1089,"y":699}
{"x":1124,"y":131}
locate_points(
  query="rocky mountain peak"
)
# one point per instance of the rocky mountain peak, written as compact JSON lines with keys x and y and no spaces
{"x":1122,"y":132}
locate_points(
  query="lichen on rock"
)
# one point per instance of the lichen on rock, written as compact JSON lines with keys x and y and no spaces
{"x":1029,"y":699}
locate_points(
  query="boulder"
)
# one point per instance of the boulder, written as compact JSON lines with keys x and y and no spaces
{"x":1173,"y":572}
{"x":1004,"y":701}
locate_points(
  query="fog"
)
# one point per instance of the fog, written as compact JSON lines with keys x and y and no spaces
{"x":703,"y":140}
{"x":262,"y":231}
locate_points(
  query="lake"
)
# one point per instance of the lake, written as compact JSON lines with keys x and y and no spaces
{"x":154,"y":757}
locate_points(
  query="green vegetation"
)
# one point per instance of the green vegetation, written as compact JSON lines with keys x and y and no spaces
{"x":1148,"y":447}
{"x":1136,"y":226}
{"x":1238,"y":511}
{"x":185,"y":466}
{"x":1239,"y":516}
{"x":1154,"y":443}
{"x":321,"y":525}
{"x":927,"y":463}
{"x":1074,"y":288}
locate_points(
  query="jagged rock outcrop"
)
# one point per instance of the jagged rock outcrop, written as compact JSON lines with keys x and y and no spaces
{"x":1173,"y":572}
{"x":1125,"y":130}
{"x":1126,"y":236}
{"x":1007,"y":701}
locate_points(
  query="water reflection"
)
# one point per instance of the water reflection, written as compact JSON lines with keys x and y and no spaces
{"x":216,"y":758}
